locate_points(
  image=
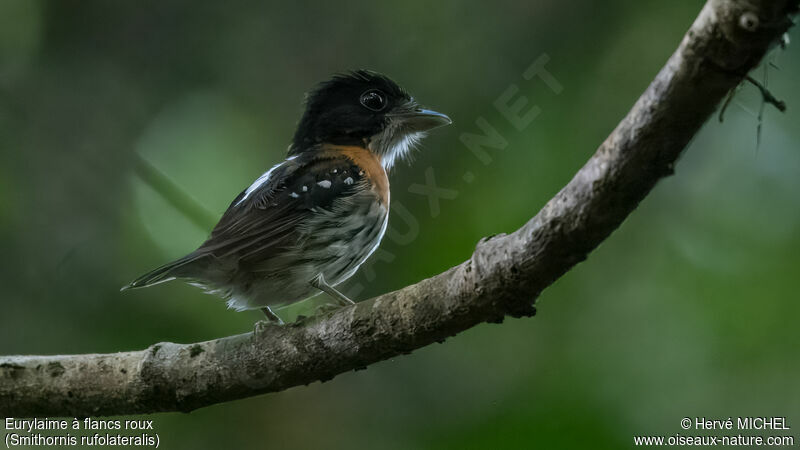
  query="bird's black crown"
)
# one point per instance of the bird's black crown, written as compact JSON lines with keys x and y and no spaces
{"x":347,"y":109}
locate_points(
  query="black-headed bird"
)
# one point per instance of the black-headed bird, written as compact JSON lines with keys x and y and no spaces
{"x":307,"y":224}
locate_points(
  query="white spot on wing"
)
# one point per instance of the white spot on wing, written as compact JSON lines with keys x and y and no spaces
{"x":256,"y":184}
{"x":305,"y":188}
{"x":294,"y":195}
{"x":348,"y":180}
{"x":324,"y":183}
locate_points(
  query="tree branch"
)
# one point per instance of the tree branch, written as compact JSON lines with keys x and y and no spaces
{"x":503,"y":277}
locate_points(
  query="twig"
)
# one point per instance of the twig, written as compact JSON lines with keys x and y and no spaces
{"x":174,"y":194}
{"x":767,"y":95}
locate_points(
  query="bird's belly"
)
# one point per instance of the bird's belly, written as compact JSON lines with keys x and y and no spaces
{"x":333,"y":242}
{"x":338,"y":241}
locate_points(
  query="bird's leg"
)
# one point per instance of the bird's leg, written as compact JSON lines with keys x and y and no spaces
{"x":320,"y":283}
{"x":271,"y":316}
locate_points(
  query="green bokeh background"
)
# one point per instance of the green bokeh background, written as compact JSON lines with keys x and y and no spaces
{"x":689,"y":309}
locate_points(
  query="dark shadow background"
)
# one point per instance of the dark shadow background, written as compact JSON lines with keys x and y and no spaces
{"x":689,"y":309}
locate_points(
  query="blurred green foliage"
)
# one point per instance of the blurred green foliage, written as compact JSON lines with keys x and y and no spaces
{"x":689,"y":309}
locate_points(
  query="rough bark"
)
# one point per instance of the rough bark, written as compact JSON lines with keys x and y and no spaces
{"x":503,"y":277}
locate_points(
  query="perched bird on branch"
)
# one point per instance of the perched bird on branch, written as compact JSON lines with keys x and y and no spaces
{"x":307,"y":224}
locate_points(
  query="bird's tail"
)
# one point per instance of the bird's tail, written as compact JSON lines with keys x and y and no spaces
{"x":167,"y":272}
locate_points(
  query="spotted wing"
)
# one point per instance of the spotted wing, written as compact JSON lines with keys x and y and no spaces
{"x":265,"y":217}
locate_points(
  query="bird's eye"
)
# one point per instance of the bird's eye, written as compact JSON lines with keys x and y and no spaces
{"x":374,"y":100}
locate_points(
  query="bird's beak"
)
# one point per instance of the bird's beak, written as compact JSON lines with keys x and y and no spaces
{"x":418,"y":119}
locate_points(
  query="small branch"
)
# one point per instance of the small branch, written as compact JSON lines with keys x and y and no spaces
{"x":503,"y":277}
{"x":173,"y":194}
{"x":767,"y":95}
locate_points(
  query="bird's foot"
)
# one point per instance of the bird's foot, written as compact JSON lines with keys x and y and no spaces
{"x":262,"y":325}
{"x":320,"y":283}
{"x":326,"y":308}
{"x":271,"y":316}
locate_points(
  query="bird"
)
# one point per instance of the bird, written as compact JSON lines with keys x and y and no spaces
{"x":308,"y":223}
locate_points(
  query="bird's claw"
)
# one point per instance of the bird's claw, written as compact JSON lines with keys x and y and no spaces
{"x":326,"y":308}
{"x":263,"y":325}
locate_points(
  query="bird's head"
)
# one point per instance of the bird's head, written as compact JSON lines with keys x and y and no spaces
{"x":367,"y":109}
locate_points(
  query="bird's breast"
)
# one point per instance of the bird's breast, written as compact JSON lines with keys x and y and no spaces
{"x":367,"y":161}
{"x":340,"y":239}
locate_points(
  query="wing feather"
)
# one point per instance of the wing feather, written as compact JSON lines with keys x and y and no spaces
{"x":269,"y":215}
